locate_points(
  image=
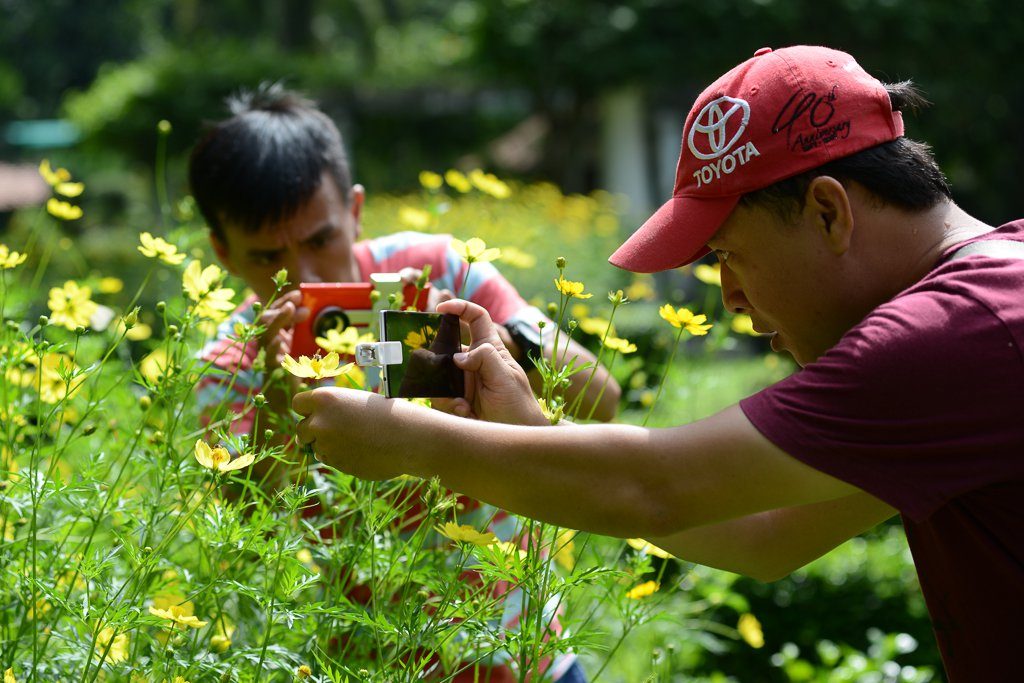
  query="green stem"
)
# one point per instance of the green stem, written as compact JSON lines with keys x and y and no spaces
{"x":664,"y":374}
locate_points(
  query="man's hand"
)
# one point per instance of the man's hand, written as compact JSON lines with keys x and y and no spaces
{"x":434,"y":296}
{"x":497,"y":389}
{"x":349,"y":430}
{"x":278,"y":319}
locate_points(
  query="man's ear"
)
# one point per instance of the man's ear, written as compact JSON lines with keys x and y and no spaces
{"x":220,"y":247}
{"x":827,"y":207}
{"x":355,"y":206}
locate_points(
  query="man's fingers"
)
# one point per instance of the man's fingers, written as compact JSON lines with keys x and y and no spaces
{"x":485,"y":360}
{"x":303,"y":403}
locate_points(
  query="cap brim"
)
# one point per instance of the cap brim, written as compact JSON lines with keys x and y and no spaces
{"x":675,"y":235}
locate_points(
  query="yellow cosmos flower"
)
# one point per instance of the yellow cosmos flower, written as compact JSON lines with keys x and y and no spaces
{"x":316,"y":367}
{"x":177,"y":611}
{"x":156,"y":365}
{"x":643,"y":590}
{"x":618,"y":344}
{"x":63,"y":210}
{"x":517,"y":258}
{"x":709,"y":275}
{"x":418,"y":339}
{"x":223,"y":630}
{"x":110,"y":285}
{"x":474,"y":250}
{"x":750,"y":630}
{"x":343,"y":342}
{"x":71,"y":190}
{"x":71,"y":305}
{"x":571,"y":289}
{"x":742,"y":324}
{"x":565,"y":549}
{"x":510,"y":549}
{"x":157,"y":247}
{"x":202,"y":286}
{"x":9,"y":676}
{"x":456,"y":180}
{"x":489,"y":184}
{"x":464,"y":533}
{"x":595,"y":326}
{"x":48,"y":376}
{"x":218,"y":459}
{"x":303,"y":672}
{"x":685,"y":319}
{"x":118,"y":645}
{"x":53,"y":178}
{"x":430,"y":180}
{"x":647,"y":547}
{"x":10,"y":259}
{"x":417,"y":219}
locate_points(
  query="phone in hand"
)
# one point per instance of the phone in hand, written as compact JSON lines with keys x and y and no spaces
{"x":415,"y":354}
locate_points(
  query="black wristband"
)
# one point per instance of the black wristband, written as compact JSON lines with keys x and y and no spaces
{"x":527,"y":338}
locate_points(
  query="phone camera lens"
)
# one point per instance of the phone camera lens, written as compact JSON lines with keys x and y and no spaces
{"x":330,"y":318}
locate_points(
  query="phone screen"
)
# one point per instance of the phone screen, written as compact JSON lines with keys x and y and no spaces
{"x":427,"y":370}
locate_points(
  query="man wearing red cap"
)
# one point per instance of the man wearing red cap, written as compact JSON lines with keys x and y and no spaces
{"x":838,"y":236}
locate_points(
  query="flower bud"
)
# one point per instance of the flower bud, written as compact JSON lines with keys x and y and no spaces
{"x":257,"y":307}
{"x":424,"y":277}
{"x":131,"y":319}
{"x":552,"y":309}
{"x":79,"y":330}
{"x":374,"y":296}
{"x":573,"y":325}
{"x":161,"y":307}
{"x":11,"y":325}
{"x":164,"y":127}
{"x":281,"y":278}
{"x":172,"y":329}
{"x":259,"y":400}
{"x":616,"y":297}
{"x":560,"y":262}
{"x":43,"y":321}
{"x":268,"y":434}
{"x":145,"y":402}
{"x":89,"y":429}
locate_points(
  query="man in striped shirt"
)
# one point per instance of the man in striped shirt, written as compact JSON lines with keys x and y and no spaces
{"x":274,"y":186}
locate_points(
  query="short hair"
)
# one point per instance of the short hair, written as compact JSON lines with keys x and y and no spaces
{"x":264,"y":162}
{"x":901,"y":173}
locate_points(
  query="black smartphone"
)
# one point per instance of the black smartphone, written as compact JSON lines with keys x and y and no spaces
{"x":427,"y":370}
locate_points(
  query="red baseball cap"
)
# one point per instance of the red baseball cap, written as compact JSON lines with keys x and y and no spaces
{"x":774,"y":116}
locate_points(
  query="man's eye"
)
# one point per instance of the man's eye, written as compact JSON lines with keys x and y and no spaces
{"x":265,"y":259}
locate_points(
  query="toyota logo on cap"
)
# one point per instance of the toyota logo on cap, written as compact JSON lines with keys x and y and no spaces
{"x":713,"y":124}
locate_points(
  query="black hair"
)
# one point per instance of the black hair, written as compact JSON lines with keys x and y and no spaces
{"x":264,"y":162}
{"x":901,"y":173}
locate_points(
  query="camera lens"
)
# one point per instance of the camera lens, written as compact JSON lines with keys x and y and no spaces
{"x":330,"y":318}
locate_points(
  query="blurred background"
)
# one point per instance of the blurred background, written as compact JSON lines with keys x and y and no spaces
{"x":580,"y":105}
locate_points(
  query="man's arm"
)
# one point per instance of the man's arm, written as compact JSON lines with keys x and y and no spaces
{"x":769,"y":545}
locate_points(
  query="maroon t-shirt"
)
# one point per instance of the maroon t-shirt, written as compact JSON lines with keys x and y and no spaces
{"x":922,"y":406}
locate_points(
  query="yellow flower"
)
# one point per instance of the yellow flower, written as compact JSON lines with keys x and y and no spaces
{"x":640,"y":289}
{"x":565,"y":548}
{"x":118,"y":645}
{"x":458,"y":181}
{"x":430,"y":180}
{"x":157,"y":247}
{"x":172,"y":607}
{"x":643,"y":590}
{"x":69,"y":189}
{"x":709,"y":275}
{"x":571,"y":289}
{"x":750,"y":629}
{"x":316,"y":367}
{"x":464,"y":533}
{"x":223,"y":629}
{"x":9,"y":676}
{"x":52,"y":178}
{"x":71,"y":305}
{"x":684,"y":319}
{"x":510,"y":549}
{"x":137,"y":332}
{"x":218,"y":459}
{"x":110,"y":285}
{"x":417,"y":219}
{"x":474,"y":250}
{"x":63,"y":210}
{"x":202,"y":286}
{"x":344,"y":342}
{"x":595,"y":326}
{"x":646,"y":547}
{"x":621,"y":345}
{"x":489,"y":184}
{"x":156,"y":365}
{"x":742,"y":324}
{"x":418,"y":339}
{"x":303,"y":672}
{"x":517,"y":258}
{"x":10,"y":259}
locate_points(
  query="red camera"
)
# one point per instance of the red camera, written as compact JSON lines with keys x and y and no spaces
{"x":338,"y":305}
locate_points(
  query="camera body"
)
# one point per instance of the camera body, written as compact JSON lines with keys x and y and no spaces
{"x":338,"y":305}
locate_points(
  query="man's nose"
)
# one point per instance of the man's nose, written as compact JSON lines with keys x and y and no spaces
{"x":732,"y":294}
{"x":301,"y":270}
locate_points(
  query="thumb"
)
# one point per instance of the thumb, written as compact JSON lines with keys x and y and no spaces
{"x":483,"y":360}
